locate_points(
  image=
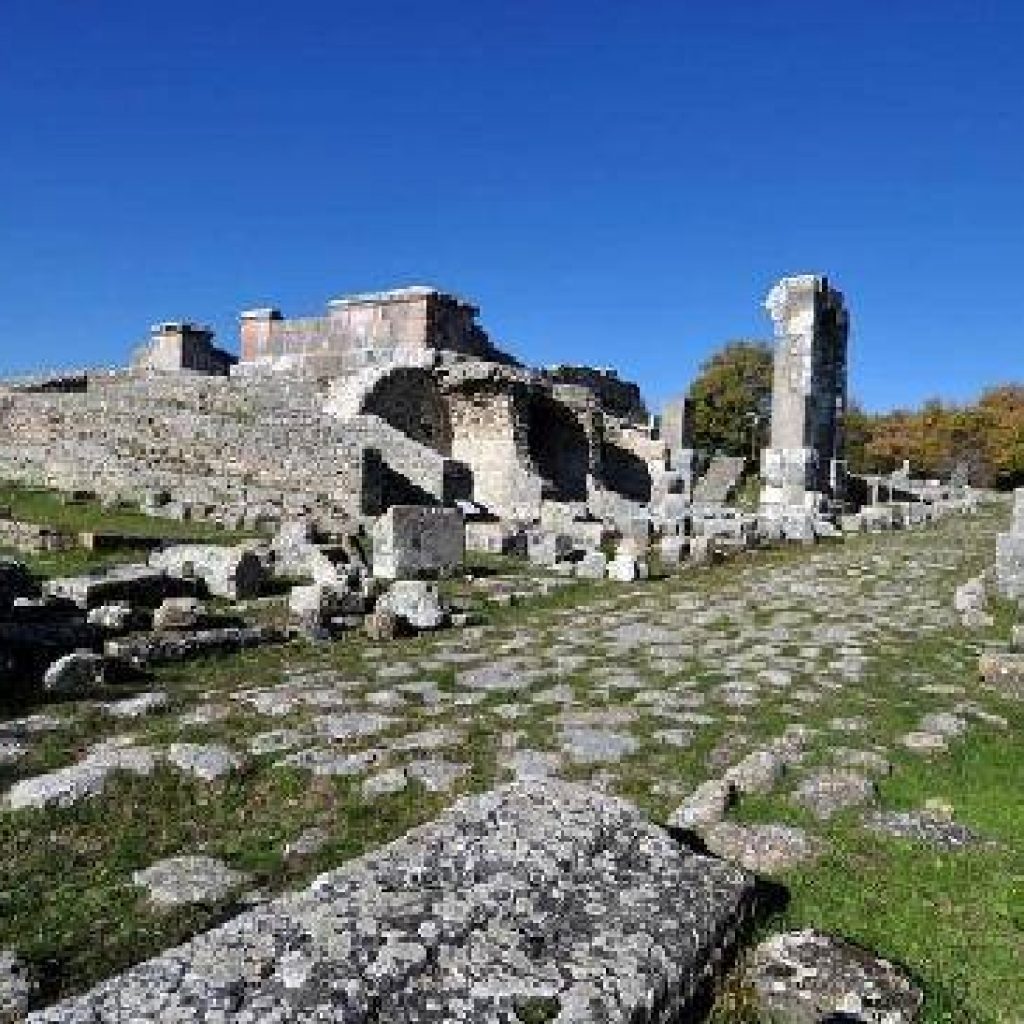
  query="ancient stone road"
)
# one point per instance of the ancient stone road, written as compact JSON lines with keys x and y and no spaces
{"x":801,"y":675}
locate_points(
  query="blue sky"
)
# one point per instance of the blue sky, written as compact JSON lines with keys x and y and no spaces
{"x":616,"y":183}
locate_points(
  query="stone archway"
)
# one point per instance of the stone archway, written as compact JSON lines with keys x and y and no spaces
{"x":559,"y":448}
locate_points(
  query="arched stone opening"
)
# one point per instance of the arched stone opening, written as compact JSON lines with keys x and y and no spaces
{"x":409,"y":399}
{"x":559,"y":448}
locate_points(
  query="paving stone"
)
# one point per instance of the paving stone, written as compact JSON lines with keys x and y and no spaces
{"x":532,"y":764}
{"x":310,"y":842}
{"x":679,"y":738}
{"x":276,"y":740}
{"x":354,"y":725}
{"x":865,"y":760}
{"x":590,"y":746}
{"x":944,"y":723}
{"x":428,"y":739}
{"x":437,"y":775}
{"x":832,"y":790}
{"x":180,"y":881}
{"x":206,"y":761}
{"x":920,"y":742}
{"x":327,"y":761}
{"x":763,"y":849}
{"x":391,"y":780}
{"x":805,"y":977}
{"x":60,"y":788}
{"x":922,"y":827}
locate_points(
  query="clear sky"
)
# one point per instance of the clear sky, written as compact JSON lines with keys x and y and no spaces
{"x":615,"y":183}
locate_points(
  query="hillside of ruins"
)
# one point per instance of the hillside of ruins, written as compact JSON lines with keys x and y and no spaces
{"x":371,"y":674}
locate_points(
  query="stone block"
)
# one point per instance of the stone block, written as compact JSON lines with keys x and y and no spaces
{"x":624,"y":568}
{"x":177,"y":613}
{"x":412,"y":540}
{"x":235,"y":573}
{"x":1010,"y":565}
{"x":547,"y":548}
{"x":75,"y":673}
{"x":495,"y":858}
{"x":415,"y":602}
{"x":592,"y":566}
{"x":135,"y":584}
{"x":673,"y":550}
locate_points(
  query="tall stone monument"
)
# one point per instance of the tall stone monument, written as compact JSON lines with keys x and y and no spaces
{"x":804,"y":467}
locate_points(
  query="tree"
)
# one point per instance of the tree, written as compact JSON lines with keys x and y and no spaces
{"x":858,"y":426}
{"x":731,"y":399}
{"x":1001,"y":413}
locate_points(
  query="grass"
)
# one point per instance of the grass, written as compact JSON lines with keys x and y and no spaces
{"x":39,"y":505}
{"x":66,"y":898}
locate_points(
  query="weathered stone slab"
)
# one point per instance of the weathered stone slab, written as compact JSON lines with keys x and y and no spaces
{"x":827,"y":792}
{"x":922,"y":827}
{"x":805,"y":977}
{"x":536,"y":891}
{"x":764,"y":849}
{"x":413,"y":540}
{"x":179,"y":881}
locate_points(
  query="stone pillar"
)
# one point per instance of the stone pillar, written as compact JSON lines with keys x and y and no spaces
{"x":804,"y":467}
{"x":1010,"y":552}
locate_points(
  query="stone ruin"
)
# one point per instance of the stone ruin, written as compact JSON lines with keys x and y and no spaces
{"x":1010,"y":552}
{"x":176,"y":346}
{"x":396,"y":416}
{"x":804,"y":466}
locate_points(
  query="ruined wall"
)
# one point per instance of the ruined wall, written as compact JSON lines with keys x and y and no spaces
{"x":213,"y":446}
{"x":177,"y":347}
{"x":615,"y":395}
{"x":410,"y":400}
{"x":363,"y":330}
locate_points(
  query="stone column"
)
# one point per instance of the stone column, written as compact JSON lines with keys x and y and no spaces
{"x":804,"y":467}
{"x":1010,"y":552}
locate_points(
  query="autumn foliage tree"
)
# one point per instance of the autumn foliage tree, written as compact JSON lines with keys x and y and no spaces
{"x":986,"y":436}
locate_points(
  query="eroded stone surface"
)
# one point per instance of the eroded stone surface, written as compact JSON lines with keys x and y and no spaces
{"x":536,"y":890}
{"x":178,"y":881}
{"x":805,"y":977}
{"x":923,"y":827}
{"x":827,"y":792}
{"x":763,"y":849}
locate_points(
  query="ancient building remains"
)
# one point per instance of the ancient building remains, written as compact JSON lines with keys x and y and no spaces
{"x":362,"y":330}
{"x":176,"y":346}
{"x":804,"y":467}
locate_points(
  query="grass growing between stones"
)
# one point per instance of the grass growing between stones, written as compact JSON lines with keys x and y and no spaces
{"x":949,"y":917}
{"x":48,"y":508}
{"x":955,"y":919}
